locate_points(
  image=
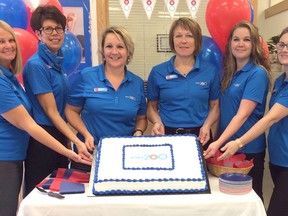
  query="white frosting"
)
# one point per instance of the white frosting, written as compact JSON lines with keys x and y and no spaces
{"x":187,"y":164}
{"x":159,"y":156}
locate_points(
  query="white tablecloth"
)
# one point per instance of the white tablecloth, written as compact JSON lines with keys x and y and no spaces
{"x":214,"y":204}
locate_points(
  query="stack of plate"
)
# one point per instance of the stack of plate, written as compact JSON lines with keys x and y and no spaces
{"x":235,"y":183}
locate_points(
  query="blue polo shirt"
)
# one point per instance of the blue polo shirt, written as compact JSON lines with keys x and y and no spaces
{"x":43,"y":74}
{"x":107,"y":112}
{"x":13,"y":141}
{"x":183,"y":101}
{"x":250,"y":83}
{"x":278,"y":133}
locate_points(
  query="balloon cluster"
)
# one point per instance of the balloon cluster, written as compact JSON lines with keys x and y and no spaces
{"x":221,"y":16}
{"x":17,"y":14}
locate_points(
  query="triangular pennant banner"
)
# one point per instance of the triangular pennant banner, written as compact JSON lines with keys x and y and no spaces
{"x":149,"y":7}
{"x":193,"y":6}
{"x":171,"y":6}
{"x":126,"y":6}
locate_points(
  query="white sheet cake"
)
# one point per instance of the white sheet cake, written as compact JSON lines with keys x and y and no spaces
{"x":149,"y":165}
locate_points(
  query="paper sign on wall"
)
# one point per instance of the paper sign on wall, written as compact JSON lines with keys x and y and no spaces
{"x":193,"y":6}
{"x":126,"y":6}
{"x":171,"y":6}
{"x":149,"y":7}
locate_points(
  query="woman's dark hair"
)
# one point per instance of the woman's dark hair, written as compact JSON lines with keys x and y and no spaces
{"x":43,"y":13}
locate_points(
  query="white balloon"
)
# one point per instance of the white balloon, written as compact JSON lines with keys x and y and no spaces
{"x":33,"y":4}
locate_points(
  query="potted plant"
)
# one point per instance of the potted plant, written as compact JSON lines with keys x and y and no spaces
{"x":271,"y":43}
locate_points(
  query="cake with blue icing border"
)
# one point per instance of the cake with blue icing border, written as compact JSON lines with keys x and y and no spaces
{"x":169,"y":164}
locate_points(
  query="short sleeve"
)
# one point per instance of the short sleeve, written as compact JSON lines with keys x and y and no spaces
{"x":76,"y":93}
{"x":8,"y":99}
{"x":38,"y":78}
{"x":152,"y":86}
{"x":215,"y":88}
{"x":143,"y":105}
{"x":256,"y":86}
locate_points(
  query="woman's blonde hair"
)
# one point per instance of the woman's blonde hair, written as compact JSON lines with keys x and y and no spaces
{"x":189,"y":25}
{"x":16,"y":64}
{"x":258,"y":55}
{"x":122,"y":34}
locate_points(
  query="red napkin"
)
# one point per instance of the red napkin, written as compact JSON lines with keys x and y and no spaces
{"x":79,"y":177}
{"x":236,"y":161}
{"x":55,"y":186}
{"x":65,"y":175}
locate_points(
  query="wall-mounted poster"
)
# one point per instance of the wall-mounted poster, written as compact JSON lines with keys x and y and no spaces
{"x":78,"y":23}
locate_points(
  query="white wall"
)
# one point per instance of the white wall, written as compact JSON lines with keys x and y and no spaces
{"x":144,"y":31}
{"x":94,"y":38}
{"x":272,"y":25}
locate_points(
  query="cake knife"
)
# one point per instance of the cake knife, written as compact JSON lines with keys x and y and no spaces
{"x":50,"y":193}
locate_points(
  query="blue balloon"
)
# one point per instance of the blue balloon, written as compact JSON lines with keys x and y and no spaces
{"x":14,"y":13}
{"x":72,"y":78}
{"x":251,"y":12}
{"x":211,"y":53}
{"x":72,"y":51}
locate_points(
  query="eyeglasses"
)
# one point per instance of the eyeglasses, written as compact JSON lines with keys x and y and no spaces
{"x":281,"y":46}
{"x":49,"y":30}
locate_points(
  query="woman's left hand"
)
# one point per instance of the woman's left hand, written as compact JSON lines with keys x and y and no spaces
{"x":83,"y":152}
{"x":77,"y":158}
{"x":204,"y":135}
{"x":229,"y":149}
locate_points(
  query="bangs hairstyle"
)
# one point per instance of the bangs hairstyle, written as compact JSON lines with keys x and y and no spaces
{"x":189,"y":25}
{"x":283,"y":32}
{"x":122,"y":34}
{"x":258,"y":55}
{"x":48,"y":12}
{"x":16,"y":64}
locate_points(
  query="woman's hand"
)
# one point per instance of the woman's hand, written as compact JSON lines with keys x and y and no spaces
{"x":89,"y":142}
{"x":83,"y":152}
{"x":211,"y":150}
{"x":158,"y":129}
{"x":77,"y":158}
{"x":229,"y":149}
{"x":204,"y":134}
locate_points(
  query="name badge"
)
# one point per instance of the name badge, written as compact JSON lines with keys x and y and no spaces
{"x":173,"y":76}
{"x":100,"y":89}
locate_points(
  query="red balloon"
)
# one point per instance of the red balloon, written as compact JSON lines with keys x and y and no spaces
{"x":28,"y":45}
{"x":223,"y":15}
{"x":56,"y":3}
{"x":265,"y":47}
{"x":29,"y":29}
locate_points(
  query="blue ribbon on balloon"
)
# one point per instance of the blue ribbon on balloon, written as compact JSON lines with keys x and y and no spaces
{"x":251,"y":12}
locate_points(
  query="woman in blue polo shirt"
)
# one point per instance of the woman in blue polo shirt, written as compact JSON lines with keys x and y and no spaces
{"x":108,"y":100}
{"x":183,"y":92}
{"x":47,"y":89}
{"x":244,"y":87}
{"x":277,"y":120}
{"x":16,"y":124}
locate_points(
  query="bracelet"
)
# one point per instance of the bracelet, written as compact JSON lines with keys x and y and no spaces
{"x":240,"y":144}
{"x":158,"y":123}
{"x":138,"y":130}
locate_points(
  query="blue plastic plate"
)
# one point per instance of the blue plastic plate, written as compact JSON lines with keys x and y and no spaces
{"x":235,"y":177}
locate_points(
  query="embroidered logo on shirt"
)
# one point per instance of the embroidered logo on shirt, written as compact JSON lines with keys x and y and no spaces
{"x":201,"y":83}
{"x":236,"y":85}
{"x":100,"y":89}
{"x":174,"y":76}
{"x":130,"y":97}
{"x":48,"y":66}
